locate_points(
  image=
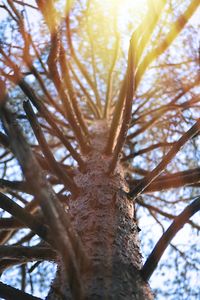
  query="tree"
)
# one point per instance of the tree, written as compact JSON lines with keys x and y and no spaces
{"x":87,"y":141}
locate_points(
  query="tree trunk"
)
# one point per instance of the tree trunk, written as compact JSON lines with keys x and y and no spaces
{"x":104,"y":218}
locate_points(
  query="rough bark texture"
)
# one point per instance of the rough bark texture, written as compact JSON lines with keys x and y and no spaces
{"x":104,"y":218}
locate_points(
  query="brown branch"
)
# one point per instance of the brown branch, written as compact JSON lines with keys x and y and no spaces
{"x":24,"y":217}
{"x":10,"y":223}
{"x":153,"y":259}
{"x":93,"y":108}
{"x":25,"y":4}
{"x":119,"y":106}
{"x":31,"y":207}
{"x":147,"y":27}
{"x":26,"y":238}
{"x":34,"y":71}
{"x":66,"y":240}
{"x":68,"y":106}
{"x":78,"y":62}
{"x":176,"y":28}
{"x":9,"y":263}
{"x":163,"y":213}
{"x":46,"y":114}
{"x":8,"y":293}
{"x":36,"y":101}
{"x":165,"y":161}
{"x":147,"y":149}
{"x":116,"y":120}
{"x":54,"y":165}
{"x":175,"y":180}
{"x":126,"y":117}
{"x":110,"y":73}
{"x":27,"y":253}
{"x":4,"y":139}
{"x":71,"y":109}
{"x":72,"y":95}
{"x":16,"y":12}
{"x":20,"y":186}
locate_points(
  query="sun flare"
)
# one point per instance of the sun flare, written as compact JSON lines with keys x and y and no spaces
{"x":127,"y":12}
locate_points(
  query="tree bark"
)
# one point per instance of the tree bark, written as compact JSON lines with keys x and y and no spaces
{"x":103,"y":216}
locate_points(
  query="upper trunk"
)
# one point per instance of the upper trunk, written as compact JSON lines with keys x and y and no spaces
{"x":104,"y":218}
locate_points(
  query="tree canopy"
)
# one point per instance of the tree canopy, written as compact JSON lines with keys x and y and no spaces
{"x":68,"y":68}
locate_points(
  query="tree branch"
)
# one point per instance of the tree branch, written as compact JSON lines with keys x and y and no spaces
{"x":174,"y":180}
{"x":130,"y":88}
{"x":23,"y":216}
{"x":68,"y":106}
{"x":54,"y":165}
{"x":145,"y":150}
{"x":20,"y":186}
{"x":27,"y":253}
{"x":163,"y":213}
{"x":165,"y":161}
{"x":70,"y":88}
{"x":8,"y":293}
{"x":110,"y":73}
{"x":153,"y":259}
{"x":10,"y":223}
{"x":66,"y":240}
{"x":175,"y":30}
{"x":77,"y":61}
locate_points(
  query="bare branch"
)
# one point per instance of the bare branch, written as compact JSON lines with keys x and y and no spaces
{"x":8,"y":293}
{"x":165,"y":161}
{"x":68,"y":106}
{"x":26,"y":218}
{"x":45,"y":148}
{"x":175,"y":180}
{"x":175,"y":30}
{"x":130,"y":88}
{"x":66,"y":239}
{"x":27,"y":253}
{"x":77,"y":61}
{"x":72,"y":95}
{"x":21,"y":186}
{"x":147,"y":27}
{"x":146,"y":150}
{"x":36,"y":101}
{"x":163,"y":213}
{"x":153,"y":259}
{"x":94,"y":109}
{"x":110,"y":73}
{"x":10,"y":223}
{"x":116,"y":120}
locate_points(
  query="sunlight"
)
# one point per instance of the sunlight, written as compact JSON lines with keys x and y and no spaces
{"x":128,"y":12}
{"x":124,"y":16}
